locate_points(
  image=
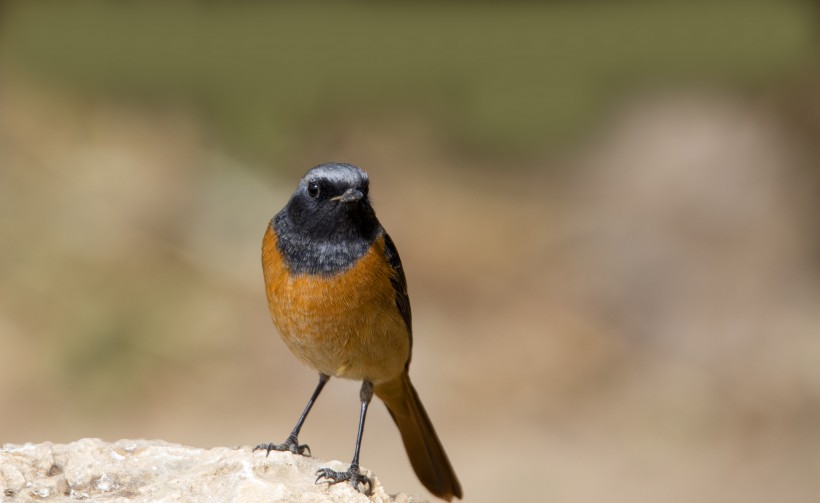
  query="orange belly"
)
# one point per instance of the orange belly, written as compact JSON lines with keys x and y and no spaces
{"x":345,"y":325}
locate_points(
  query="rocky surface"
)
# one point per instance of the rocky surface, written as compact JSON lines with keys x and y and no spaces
{"x":153,"y":470}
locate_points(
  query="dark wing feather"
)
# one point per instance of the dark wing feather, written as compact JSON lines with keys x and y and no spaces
{"x":399,"y":285}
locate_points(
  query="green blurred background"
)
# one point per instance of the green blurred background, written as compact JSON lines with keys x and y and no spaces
{"x":607,"y":212}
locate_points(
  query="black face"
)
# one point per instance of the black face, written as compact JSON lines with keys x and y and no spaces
{"x":328,"y":222}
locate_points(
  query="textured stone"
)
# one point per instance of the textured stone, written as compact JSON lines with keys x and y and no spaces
{"x":154,"y":470}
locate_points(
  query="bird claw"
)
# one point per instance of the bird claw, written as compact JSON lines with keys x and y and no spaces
{"x":352,"y":474}
{"x":291,"y":445}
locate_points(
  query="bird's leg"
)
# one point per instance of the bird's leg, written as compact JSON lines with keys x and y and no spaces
{"x":352,"y":474}
{"x":292,"y":442}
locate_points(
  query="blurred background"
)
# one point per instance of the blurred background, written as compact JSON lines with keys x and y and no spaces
{"x":607,"y":212}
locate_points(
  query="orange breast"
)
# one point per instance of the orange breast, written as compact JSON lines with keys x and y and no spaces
{"x":344,"y":325}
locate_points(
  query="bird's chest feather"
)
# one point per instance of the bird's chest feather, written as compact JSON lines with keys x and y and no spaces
{"x":344,"y":324}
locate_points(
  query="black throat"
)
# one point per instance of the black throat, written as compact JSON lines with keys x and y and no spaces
{"x":324,"y":244}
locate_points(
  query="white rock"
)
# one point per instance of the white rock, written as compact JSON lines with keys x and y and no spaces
{"x":157,"y":471}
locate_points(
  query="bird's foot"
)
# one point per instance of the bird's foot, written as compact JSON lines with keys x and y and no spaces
{"x":352,"y":474}
{"x":291,"y":444}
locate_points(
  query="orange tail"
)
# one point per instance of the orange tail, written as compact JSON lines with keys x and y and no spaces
{"x":423,"y":447}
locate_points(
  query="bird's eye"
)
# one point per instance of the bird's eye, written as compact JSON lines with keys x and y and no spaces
{"x":313,"y":189}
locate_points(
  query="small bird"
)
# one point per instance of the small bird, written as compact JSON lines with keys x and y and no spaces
{"x":338,"y":296}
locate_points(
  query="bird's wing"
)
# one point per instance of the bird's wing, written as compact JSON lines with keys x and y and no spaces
{"x":399,"y":284}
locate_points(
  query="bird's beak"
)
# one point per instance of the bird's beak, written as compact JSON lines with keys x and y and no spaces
{"x":349,"y":196}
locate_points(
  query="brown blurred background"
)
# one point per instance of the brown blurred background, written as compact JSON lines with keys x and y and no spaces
{"x":607,"y":211}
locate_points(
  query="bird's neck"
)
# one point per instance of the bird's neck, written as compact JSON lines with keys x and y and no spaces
{"x":324,"y":251}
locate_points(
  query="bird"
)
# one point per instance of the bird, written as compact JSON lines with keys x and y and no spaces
{"x":337,"y":294}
